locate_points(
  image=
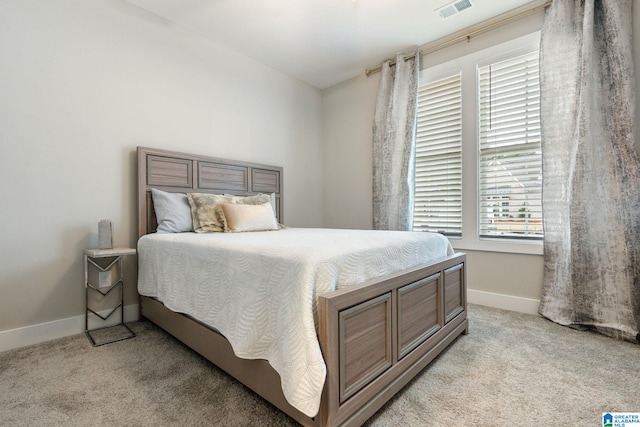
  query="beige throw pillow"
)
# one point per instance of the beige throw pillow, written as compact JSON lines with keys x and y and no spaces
{"x":203,"y":209}
{"x":238,"y":218}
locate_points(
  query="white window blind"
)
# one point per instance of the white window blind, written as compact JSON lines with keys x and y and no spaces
{"x":510,"y":157}
{"x":438,"y":191}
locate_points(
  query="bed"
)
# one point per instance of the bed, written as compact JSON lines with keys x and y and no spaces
{"x":374,"y":335}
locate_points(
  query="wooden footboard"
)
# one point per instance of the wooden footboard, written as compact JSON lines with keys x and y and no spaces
{"x":377,"y":336}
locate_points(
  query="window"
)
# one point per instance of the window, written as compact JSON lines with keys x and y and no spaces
{"x":478,"y":152}
{"x":438,"y":194}
{"x":510,"y":159}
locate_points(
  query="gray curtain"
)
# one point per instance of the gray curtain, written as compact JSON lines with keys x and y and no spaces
{"x":591,"y":189}
{"x":393,"y":145}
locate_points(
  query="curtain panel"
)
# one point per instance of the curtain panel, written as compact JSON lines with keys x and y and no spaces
{"x":393,"y":145}
{"x":591,"y":189}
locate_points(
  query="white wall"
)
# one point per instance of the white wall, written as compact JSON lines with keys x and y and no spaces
{"x":347,"y":110}
{"x":82,"y":83}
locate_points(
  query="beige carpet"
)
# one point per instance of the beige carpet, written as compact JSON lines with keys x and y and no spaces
{"x":511,"y":370}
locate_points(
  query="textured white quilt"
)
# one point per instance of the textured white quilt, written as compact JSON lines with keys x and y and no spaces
{"x":259,"y":289}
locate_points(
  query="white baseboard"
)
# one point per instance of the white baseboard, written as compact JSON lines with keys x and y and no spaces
{"x":506,"y":302}
{"x":34,"y":334}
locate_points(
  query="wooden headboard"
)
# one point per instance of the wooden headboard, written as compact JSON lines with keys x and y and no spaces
{"x":187,"y":173}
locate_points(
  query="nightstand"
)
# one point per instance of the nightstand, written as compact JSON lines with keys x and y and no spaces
{"x":104,"y":273}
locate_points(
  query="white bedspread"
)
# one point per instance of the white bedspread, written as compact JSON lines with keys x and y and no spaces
{"x":259,"y":289}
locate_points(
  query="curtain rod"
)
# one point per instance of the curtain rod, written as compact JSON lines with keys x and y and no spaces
{"x":466,"y":36}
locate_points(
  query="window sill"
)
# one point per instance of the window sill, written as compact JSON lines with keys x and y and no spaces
{"x":508,"y":246}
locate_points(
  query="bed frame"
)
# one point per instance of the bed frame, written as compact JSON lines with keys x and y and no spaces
{"x":375,"y":337}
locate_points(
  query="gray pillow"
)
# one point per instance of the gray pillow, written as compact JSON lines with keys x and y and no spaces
{"x":173,"y":212}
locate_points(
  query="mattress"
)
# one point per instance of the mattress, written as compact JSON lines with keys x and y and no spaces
{"x":259,"y":289}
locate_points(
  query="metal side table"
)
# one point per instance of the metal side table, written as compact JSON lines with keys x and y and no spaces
{"x":104,"y":273}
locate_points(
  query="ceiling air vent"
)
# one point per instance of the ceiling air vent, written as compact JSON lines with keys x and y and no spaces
{"x":454,"y":8}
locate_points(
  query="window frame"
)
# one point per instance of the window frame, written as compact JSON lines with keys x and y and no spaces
{"x":468,"y":64}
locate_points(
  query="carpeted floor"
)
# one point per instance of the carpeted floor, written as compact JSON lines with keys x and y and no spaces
{"x":511,"y":370}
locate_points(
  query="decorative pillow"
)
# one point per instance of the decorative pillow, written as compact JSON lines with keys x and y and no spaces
{"x":173,"y":212}
{"x":272,"y":200}
{"x":239,"y":217}
{"x":203,"y":209}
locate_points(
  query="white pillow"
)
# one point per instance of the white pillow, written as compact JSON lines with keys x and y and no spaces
{"x":173,"y":212}
{"x":238,"y":218}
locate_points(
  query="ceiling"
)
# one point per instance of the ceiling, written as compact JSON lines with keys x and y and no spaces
{"x":322,"y":42}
